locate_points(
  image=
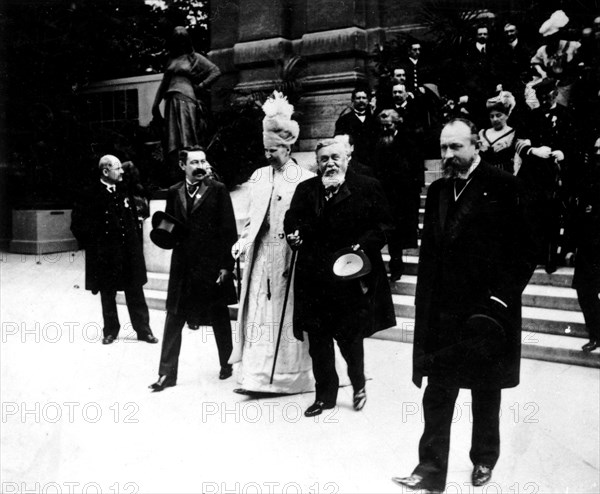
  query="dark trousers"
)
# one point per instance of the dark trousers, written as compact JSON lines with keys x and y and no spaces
{"x":395,"y":242}
{"x":590,"y":306}
{"x":136,"y":305}
{"x":438,"y":409}
{"x":171,"y":343}
{"x":322,"y":353}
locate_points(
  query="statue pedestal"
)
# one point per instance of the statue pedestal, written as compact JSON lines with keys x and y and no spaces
{"x":41,"y":231}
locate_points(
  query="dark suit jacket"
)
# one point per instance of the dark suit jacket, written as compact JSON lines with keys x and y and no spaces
{"x":357,"y":214}
{"x":204,"y":250}
{"x":106,"y":226}
{"x":471,"y":250}
{"x":363,"y":133}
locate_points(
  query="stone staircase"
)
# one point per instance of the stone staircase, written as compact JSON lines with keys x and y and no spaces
{"x":553,"y":325}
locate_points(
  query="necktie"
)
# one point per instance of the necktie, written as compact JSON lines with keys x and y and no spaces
{"x":331,"y":191}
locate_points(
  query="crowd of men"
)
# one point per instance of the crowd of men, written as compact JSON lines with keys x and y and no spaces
{"x":314,"y":271}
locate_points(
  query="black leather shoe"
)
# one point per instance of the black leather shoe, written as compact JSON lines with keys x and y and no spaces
{"x":193,"y":325}
{"x":590,"y":346}
{"x":317,"y":408}
{"x":415,"y":482}
{"x":107,"y":340}
{"x":395,"y":277}
{"x":148,"y":337}
{"x":162,"y":383}
{"x":226,"y":371}
{"x":360,"y":399}
{"x":481,"y":475}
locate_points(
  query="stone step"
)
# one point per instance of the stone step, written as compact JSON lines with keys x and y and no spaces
{"x":535,"y":319}
{"x":562,"y":277}
{"x":536,"y":346}
{"x":543,"y":296}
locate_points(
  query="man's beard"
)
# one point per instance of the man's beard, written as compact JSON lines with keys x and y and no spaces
{"x":453,"y":167}
{"x":386,"y":139}
{"x":333,"y":177}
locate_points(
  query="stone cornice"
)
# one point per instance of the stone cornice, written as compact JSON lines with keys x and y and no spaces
{"x":261,"y":52}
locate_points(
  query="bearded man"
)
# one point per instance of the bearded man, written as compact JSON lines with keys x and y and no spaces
{"x":475,"y":260}
{"x":335,"y":210}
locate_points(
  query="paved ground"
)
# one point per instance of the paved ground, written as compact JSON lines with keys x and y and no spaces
{"x":77,"y":416}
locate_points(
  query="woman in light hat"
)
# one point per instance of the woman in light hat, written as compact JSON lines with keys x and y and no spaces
{"x":267,"y":267}
{"x":500,"y":145}
{"x":557,"y":58}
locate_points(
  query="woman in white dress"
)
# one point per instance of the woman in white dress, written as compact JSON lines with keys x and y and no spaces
{"x":267,"y":267}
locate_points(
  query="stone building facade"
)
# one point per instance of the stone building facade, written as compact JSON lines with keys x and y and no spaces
{"x":335,"y":37}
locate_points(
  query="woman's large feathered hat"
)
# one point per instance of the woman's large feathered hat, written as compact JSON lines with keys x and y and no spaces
{"x":557,"y":21}
{"x":278,"y":127}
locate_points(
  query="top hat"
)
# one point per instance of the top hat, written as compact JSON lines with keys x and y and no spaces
{"x":349,"y":264}
{"x":166,"y":230}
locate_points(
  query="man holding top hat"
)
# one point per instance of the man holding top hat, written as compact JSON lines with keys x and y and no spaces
{"x":199,"y":225}
{"x":337,"y":222}
{"x":268,"y":363}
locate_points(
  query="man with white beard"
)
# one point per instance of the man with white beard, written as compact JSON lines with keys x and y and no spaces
{"x":338,"y":210}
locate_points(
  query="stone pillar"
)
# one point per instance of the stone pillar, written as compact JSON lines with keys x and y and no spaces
{"x":335,"y":38}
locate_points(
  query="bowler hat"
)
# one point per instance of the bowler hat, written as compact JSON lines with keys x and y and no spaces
{"x":349,"y":264}
{"x":166,"y":230}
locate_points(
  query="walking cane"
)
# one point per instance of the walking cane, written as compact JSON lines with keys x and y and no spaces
{"x":285,"y":299}
{"x":239,"y":278}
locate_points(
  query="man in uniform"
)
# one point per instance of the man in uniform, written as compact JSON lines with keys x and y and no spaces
{"x":105,"y":224}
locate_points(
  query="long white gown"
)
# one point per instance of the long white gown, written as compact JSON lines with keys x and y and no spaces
{"x":263,"y":290}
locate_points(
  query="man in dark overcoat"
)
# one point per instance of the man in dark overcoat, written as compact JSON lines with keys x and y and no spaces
{"x":360,"y":123}
{"x":105,"y":223}
{"x":399,"y":167}
{"x":587,"y":261}
{"x":338,"y":209}
{"x":475,"y":260}
{"x":200,"y":281}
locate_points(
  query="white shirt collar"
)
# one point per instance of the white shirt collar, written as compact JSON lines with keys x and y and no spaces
{"x":480,"y":46}
{"x":109,"y":187}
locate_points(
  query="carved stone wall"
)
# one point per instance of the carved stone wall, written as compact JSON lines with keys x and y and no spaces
{"x":335,"y":37}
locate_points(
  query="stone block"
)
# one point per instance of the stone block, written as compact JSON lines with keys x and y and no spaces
{"x":261,"y":52}
{"x":41,"y":231}
{"x":224,"y":21}
{"x":325,"y":14}
{"x":337,"y":42}
{"x":261,"y":19}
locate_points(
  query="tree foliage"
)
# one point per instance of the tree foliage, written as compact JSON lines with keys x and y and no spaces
{"x":52,"y":49}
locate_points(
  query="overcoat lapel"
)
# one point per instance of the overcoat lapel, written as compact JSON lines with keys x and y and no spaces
{"x":342,"y":194}
{"x":446,"y":199}
{"x":464,"y":207}
{"x":181,"y":202}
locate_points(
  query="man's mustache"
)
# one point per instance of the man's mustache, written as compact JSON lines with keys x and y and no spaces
{"x":199,"y":172}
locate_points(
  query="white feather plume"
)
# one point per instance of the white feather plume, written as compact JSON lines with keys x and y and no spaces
{"x":277,"y":105}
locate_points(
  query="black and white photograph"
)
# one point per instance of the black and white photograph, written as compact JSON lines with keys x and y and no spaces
{"x":299,"y":246}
